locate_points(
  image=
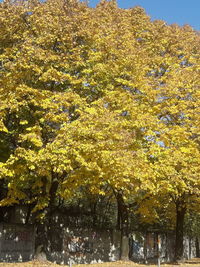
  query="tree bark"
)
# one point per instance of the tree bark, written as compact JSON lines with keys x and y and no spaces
{"x":197,"y":247}
{"x":94,"y":214}
{"x":28,"y":215}
{"x":180,"y":215}
{"x":52,"y":193}
{"x":122,"y":225}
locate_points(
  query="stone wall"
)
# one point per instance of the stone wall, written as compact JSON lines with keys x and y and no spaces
{"x":62,"y":244}
{"x":81,"y":245}
{"x":17,"y":242}
{"x":144,"y":247}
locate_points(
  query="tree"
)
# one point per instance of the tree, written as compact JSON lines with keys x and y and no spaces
{"x":40,"y":88}
{"x":49,"y":78}
{"x":96,"y":98}
{"x":176,"y":150}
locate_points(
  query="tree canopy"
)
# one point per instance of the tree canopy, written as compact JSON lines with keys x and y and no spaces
{"x":98,"y":98}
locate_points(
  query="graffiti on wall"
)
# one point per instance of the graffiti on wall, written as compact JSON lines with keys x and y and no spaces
{"x":78,"y":245}
{"x":17,"y":236}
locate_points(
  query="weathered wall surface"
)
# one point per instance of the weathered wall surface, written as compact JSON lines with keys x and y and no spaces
{"x":17,"y":242}
{"x":81,"y":245}
{"x":144,"y":247}
{"x":90,"y":246}
{"x":62,"y":243}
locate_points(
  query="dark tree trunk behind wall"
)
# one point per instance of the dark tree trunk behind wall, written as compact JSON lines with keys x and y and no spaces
{"x":122,"y":225}
{"x":180,"y":216}
{"x":197,"y":247}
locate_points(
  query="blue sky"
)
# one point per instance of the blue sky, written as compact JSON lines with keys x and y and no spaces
{"x":172,"y":11}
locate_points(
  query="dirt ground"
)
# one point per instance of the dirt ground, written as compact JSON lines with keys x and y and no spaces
{"x":193,"y":263}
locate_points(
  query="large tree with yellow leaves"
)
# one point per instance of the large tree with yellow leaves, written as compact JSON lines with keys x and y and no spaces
{"x":97,"y":97}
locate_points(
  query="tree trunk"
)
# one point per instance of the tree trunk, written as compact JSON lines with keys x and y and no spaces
{"x":28,"y":215}
{"x":52,"y":193}
{"x":197,"y":247}
{"x":123,"y":226}
{"x":94,"y":214}
{"x":118,"y":216}
{"x":180,"y":215}
{"x":145,"y":249}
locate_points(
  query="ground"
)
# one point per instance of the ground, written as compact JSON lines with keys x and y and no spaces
{"x":193,"y":263}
